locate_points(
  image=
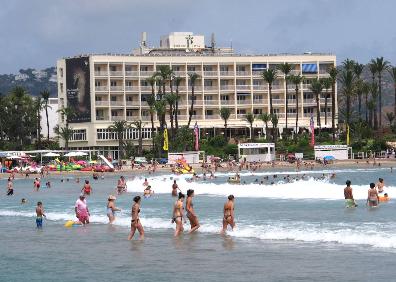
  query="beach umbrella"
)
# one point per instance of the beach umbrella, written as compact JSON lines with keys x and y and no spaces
{"x":51,"y":154}
{"x":71,"y":154}
{"x":328,"y":158}
{"x":80,"y":154}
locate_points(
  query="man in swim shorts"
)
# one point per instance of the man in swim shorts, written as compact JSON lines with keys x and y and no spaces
{"x":348,"y":195}
{"x":39,"y":215}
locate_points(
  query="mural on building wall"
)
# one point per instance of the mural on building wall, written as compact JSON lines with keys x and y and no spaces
{"x":78,"y":89}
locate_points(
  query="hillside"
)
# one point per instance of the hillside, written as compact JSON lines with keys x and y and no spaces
{"x":32,"y":80}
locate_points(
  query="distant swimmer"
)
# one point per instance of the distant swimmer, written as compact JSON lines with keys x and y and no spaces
{"x":372,"y":197}
{"x":178,"y":214}
{"x":148,"y":192}
{"x":349,"y":200}
{"x":228,"y":211}
{"x":145,"y":183}
{"x":81,"y":210}
{"x":380,"y":185}
{"x":10,"y":187}
{"x":384,"y":198}
{"x":39,"y":215}
{"x":175,"y":187}
{"x":23,"y":201}
{"x":192,"y":217}
{"x":135,"y":221}
{"x":36,"y":184}
{"x":87,"y":188}
{"x":121,"y":185}
{"x":111,"y":208}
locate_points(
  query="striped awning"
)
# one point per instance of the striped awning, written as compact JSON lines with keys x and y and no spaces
{"x":309,"y":68}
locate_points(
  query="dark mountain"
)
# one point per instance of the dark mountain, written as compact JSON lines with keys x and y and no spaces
{"x":32,"y":80}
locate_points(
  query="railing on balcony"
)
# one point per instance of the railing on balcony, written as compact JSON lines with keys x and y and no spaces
{"x":257,"y":72}
{"x":180,"y":73}
{"x":278,"y":101}
{"x":117,"y":118}
{"x":278,"y":87}
{"x":244,"y":102}
{"x":101,"y":88}
{"x":227,"y":87}
{"x":242,"y":73}
{"x":323,"y":71}
{"x":243,"y":87}
{"x":132,"y":118}
{"x":116,"y":88}
{"x":131,"y":88}
{"x":117,"y":103}
{"x":227,"y":102}
{"x":146,"y":88}
{"x":116,"y":73}
{"x":185,"y":117}
{"x":101,"y":103}
{"x":227,"y":73}
{"x":291,"y":101}
{"x":132,"y":103}
{"x":260,"y":101}
{"x":102,"y":118}
{"x":147,"y":118}
{"x":309,"y":101}
{"x":280,"y":115}
{"x":260,"y":87}
{"x":215,"y":116}
{"x":131,"y":73}
{"x":295,"y":72}
{"x":211,"y":102}
{"x":147,"y":73}
{"x":291,"y":115}
{"x":101,"y":73}
{"x":196,"y":88}
{"x":211,"y":88}
{"x":210,"y":73}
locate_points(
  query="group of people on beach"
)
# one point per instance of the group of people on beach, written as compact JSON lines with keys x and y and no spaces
{"x":374,"y":195}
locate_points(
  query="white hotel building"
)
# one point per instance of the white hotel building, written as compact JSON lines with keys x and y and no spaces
{"x":111,"y":87}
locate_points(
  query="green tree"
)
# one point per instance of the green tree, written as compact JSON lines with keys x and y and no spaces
{"x":119,"y":127}
{"x":270,"y":75}
{"x":326,"y":82}
{"x":390,"y":116}
{"x":348,"y":81}
{"x":160,"y":108}
{"x":286,"y":68}
{"x":316,"y":88}
{"x":381,"y":66}
{"x":274,"y":121}
{"x":365,"y":90}
{"x":249,"y":117}
{"x":45,"y":94}
{"x":171,"y":99}
{"x":38,"y":103}
{"x":374,"y":97}
{"x":333,"y":77}
{"x":392,"y":72}
{"x":358,"y":69}
{"x":64,"y":133}
{"x":225,"y":115}
{"x":67,"y":114}
{"x":193,"y":78}
{"x":139,"y":126}
{"x":177,"y":80}
{"x":296,"y":80}
{"x":265,"y":117}
{"x":165,"y":73}
{"x":151,"y":103}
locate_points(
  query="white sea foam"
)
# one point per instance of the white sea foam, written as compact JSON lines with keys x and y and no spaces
{"x":371,"y":234}
{"x":307,"y":189}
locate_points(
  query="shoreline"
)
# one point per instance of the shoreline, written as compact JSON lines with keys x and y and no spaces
{"x":305,"y":165}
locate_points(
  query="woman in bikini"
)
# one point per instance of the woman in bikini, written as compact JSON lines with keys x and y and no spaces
{"x":135,"y":222}
{"x":190,"y":211}
{"x":178,"y":214}
{"x":121,"y":185}
{"x":372,"y":198}
{"x":111,"y":208}
{"x":228,"y":218}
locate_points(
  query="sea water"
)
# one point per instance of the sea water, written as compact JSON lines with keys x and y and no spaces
{"x":285,"y":231}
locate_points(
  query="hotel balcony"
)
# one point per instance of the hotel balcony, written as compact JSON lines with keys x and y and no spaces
{"x":180,"y":73}
{"x":101,"y":73}
{"x":102,"y":103}
{"x":147,"y":73}
{"x":116,"y":73}
{"x":117,"y":118}
{"x":257,"y":73}
{"x":101,"y":88}
{"x":227,"y":73}
{"x":147,"y":118}
{"x":211,"y":88}
{"x":117,"y":103}
{"x":133,"y":103}
{"x":227,"y":87}
{"x":210,"y":73}
{"x":215,"y":116}
{"x":242,"y":73}
{"x":211,"y":102}
{"x":197,"y":88}
{"x":260,"y":87}
{"x":132,"y":118}
{"x":185,"y":117}
{"x":116,"y":88}
{"x":260,"y":101}
{"x":278,"y":101}
{"x":227,"y":103}
{"x":243,"y":87}
{"x":132,"y":88}
{"x":146,"y":88}
{"x":102,"y":118}
{"x":244,"y":102}
{"x":132,"y":73}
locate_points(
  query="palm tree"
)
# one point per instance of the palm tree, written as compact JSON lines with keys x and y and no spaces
{"x":119,"y":128}
{"x":274,"y":121}
{"x":138,"y":125}
{"x":265,"y":117}
{"x":297,"y":79}
{"x":67,"y":113}
{"x":348,"y":80}
{"x":171,"y":100}
{"x":358,"y":69}
{"x":286,"y":68}
{"x":45,"y":95}
{"x":365,"y":89}
{"x":326,"y":82}
{"x":370,"y":108}
{"x":390,"y":116}
{"x":225,"y":115}
{"x":333,"y":77}
{"x":165,"y":73}
{"x":177,"y":80}
{"x":316,"y":88}
{"x":65,"y":133}
{"x":39,"y":106}
{"x":249,"y":117}
{"x":381,"y":66}
{"x":151,"y":103}
{"x":374,"y":97}
{"x":392,"y":72}
{"x":193,"y":77}
{"x":349,"y":64}
{"x":160,"y":108}
{"x":269,"y":75}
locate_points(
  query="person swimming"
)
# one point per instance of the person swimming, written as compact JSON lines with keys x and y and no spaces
{"x":384,"y":198}
{"x":192,"y":217}
{"x":178,"y":214}
{"x":228,"y":214}
{"x":148,"y":192}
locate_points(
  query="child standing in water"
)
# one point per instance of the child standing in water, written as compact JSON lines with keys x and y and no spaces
{"x":40,"y":214}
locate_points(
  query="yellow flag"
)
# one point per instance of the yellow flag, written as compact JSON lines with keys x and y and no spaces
{"x":166,"y":147}
{"x":347,"y":134}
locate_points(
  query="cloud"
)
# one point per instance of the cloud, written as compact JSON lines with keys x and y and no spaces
{"x":37,"y":33}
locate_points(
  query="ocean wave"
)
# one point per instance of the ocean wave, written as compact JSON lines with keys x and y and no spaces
{"x":368,"y":234}
{"x":303,"y":189}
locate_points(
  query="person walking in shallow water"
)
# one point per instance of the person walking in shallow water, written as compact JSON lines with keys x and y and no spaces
{"x":228,"y":214}
{"x":192,"y":217}
{"x":349,"y":201}
{"x":372,"y":197}
{"x":178,"y":214}
{"x":135,"y":221}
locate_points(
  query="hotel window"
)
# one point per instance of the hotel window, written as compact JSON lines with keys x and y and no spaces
{"x":113,"y":68}
{"x":241,"y":112}
{"x":223,"y":82}
{"x":309,"y":68}
{"x":128,"y":68}
{"x":223,"y":68}
{"x":97,"y":83}
{"x":114,"y":113}
{"x":79,"y":135}
{"x":276,"y":111}
{"x":242,"y":97}
{"x":98,"y":98}
{"x":241,"y":68}
{"x":308,"y":96}
{"x":258,"y":82}
{"x":257,"y":97}
{"x":291,"y":97}
{"x":143,"y":68}
{"x":208,"y":68}
{"x":208,"y":98}
{"x":143,"y":83}
{"x":129,"y":98}
{"x":209,"y":112}
{"x":129,"y":113}
{"x":128,"y":83}
{"x":257,"y":111}
{"x":322,"y":110}
{"x":176,"y":68}
{"x":224,"y":98}
{"x":308,"y":110}
{"x":241,"y":82}
{"x":61,"y":72}
{"x":291,"y":110}
{"x":97,"y":68}
{"x":208,"y":82}
{"x":113,"y":83}
{"x":191,"y":68}
{"x":259,"y":67}
{"x":61,"y":87}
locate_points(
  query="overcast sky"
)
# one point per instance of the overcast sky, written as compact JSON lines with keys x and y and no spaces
{"x":35,"y":33}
